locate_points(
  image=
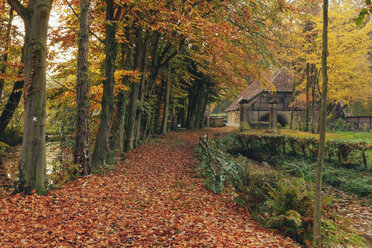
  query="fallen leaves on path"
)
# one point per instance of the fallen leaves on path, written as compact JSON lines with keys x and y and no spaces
{"x":152,"y":200}
{"x":358,"y":210}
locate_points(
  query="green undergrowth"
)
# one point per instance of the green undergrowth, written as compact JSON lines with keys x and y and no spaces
{"x":274,"y":199}
{"x":354,"y":181}
{"x":342,"y":148}
{"x":349,"y":177}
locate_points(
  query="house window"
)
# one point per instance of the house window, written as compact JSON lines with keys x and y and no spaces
{"x":281,"y":99}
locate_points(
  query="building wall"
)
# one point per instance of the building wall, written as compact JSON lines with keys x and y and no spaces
{"x":261,"y":106}
{"x":216,"y":121}
{"x":283,"y":100}
{"x":233,"y":118}
{"x":359,"y":123}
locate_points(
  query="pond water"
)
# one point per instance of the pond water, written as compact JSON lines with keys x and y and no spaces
{"x":9,"y":169}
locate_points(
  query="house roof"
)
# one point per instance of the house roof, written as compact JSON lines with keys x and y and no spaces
{"x":281,"y":81}
{"x":253,"y":90}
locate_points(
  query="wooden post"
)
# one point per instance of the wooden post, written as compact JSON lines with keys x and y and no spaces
{"x":273,"y":116}
{"x":244,"y":115}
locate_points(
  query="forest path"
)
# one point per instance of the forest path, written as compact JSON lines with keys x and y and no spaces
{"x":152,"y":200}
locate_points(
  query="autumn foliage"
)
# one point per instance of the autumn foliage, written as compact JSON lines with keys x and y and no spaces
{"x":152,"y":199}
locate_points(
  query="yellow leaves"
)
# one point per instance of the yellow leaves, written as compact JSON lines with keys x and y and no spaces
{"x":349,"y":73}
{"x":120,"y":87}
{"x":131,"y":76}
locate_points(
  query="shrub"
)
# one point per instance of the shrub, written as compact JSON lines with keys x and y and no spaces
{"x":339,"y":125}
{"x":61,"y":173}
{"x":274,"y":199}
{"x":3,"y":147}
{"x":357,"y":182}
{"x":264,"y":146}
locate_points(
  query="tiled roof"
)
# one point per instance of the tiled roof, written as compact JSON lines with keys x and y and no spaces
{"x":281,"y":82}
{"x":253,"y":90}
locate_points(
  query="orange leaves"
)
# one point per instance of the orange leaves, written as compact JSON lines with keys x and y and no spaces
{"x":131,"y":76}
{"x":153,"y":199}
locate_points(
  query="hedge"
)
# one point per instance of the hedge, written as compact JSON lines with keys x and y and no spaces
{"x":344,"y":152}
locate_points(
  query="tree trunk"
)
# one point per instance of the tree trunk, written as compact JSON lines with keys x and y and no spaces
{"x":204,"y":107}
{"x":157,"y":111}
{"x":174,"y":118}
{"x":291,"y":127}
{"x":166,"y":102}
{"x":181,"y":112}
{"x":141,"y":93}
{"x":4,"y":58}
{"x":102,"y":141}
{"x":132,"y":111}
{"x":81,"y":154}
{"x":198,"y":103}
{"x":147,"y":128}
{"x":192,"y":108}
{"x":307,"y":112}
{"x":322,"y":132}
{"x":314,"y":80}
{"x":32,"y":161}
{"x":10,"y":106}
{"x":115,"y":141}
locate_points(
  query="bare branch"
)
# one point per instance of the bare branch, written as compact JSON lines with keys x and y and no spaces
{"x":72,"y":9}
{"x":68,"y":89}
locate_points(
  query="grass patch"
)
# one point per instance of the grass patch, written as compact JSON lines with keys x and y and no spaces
{"x":339,"y":136}
{"x":219,"y":115}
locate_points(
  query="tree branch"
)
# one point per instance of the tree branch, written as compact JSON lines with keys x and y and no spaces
{"x":77,"y":15}
{"x":19,"y":8}
{"x":68,"y":89}
{"x":73,"y":10}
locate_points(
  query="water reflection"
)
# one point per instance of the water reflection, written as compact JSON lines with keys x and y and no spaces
{"x":9,"y":167}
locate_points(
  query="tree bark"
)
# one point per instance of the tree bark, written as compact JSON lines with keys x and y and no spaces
{"x":6,"y":47}
{"x":132,"y":111}
{"x":32,"y":161}
{"x":119,"y":121}
{"x":141,"y":93}
{"x":192,"y":107}
{"x":307,"y":111}
{"x":314,"y":80}
{"x":102,"y":141}
{"x":157,"y":109}
{"x":166,"y":102}
{"x":291,"y":122}
{"x":81,"y":154}
{"x":11,"y":106}
{"x":174,"y":118}
{"x":204,"y":107}
{"x":322,"y":132}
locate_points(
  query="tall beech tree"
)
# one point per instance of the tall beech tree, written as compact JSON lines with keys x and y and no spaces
{"x":81,"y":155}
{"x":322,"y":132}
{"x":166,"y":101}
{"x":113,"y":13}
{"x":11,"y":106}
{"x":141,"y":92}
{"x":4,"y":57}
{"x":32,"y":162}
{"x":16,"y":93}
{"x":132,"y":108}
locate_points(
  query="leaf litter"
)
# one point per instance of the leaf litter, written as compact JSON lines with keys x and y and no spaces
{"x":153,"y":199}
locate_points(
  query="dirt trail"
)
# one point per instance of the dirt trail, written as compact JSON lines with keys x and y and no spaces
{"x":152,"y":200}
